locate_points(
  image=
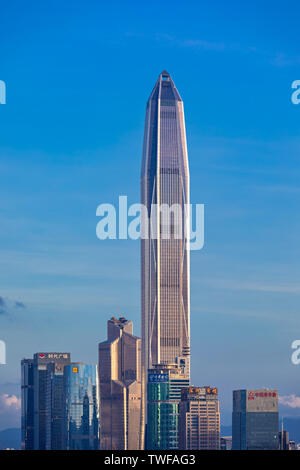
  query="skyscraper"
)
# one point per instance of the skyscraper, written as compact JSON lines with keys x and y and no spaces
{"x":120,"y":387}
{"x":255,"y":420}
{"x":165,"y":262}
{"x":164,"y":391}
{"x":27,"y":403}
{"x":43,"y":401}
{"x":82,"y":407}
{"x":199,"y":419}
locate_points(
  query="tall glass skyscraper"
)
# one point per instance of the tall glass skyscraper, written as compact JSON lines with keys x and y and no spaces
{"x":27,"y":403}
{"x":82,"y":401}
{"x":43,"y":401}
{"x":165,"y":260}
{"x":164,"y":388}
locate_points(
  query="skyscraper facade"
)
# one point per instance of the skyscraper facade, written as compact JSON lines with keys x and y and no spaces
{"x":82,"y":407}
{"x":43,"y":401}
{"x":255,"y":420}
{"x":199,"y":419}
{"x":164,"y":391}
{"x":165,"y":265}
{"x":27,"y":404}
{"x":120,"y":387}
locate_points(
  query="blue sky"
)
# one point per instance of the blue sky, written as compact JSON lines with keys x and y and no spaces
{"x":78,"y":77}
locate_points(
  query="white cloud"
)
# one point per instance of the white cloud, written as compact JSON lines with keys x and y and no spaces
{"x":9,"y":403}
{"x":290,"y":400}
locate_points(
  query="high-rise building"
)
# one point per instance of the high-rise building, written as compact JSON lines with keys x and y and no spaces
{"x":283,"y":437}
{"x":165,"y":295}
{"x":82,"y":407}
{"x":283,"y":440}
{"x":255,"y":420}
{"x":199,"y":419}
{"x":43,"y":401}
{"x":120,"y":387}
{"x":27,"y":402}
{"x":165,"y":384}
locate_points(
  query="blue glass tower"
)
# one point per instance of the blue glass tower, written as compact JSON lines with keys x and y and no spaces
{"x":164,"y":391}
{"x":82,"y":407}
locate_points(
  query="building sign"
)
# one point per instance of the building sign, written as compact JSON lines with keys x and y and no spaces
{"x":158,"y":377}
{"x":53,"y":356}
{"x":253,"y":395}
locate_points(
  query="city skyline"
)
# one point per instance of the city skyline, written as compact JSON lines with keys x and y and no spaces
{"x":66,"y":128}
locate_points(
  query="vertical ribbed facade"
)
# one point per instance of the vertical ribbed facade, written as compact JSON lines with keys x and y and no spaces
{"x":120,"y":387}
{"x":199,"y":419}
{"x":165,"y":252}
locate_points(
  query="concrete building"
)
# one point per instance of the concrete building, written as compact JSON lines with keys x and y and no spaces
{"x":199,"y":419}
{"x":255,"y":420}
{"x":120,"y":387}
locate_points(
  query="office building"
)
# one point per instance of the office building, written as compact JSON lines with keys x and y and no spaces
{"x":43,"y":401}
{"x":165,"y":263}
{"x":199,"y":419}
{"x":165,"y":383}
{"x":120,"y":387}
{"x":82,"y":407}
{"x":27,"y":405}
{"x":255,"y":420}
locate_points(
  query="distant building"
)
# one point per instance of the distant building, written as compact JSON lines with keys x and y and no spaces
{"x":255,"y":420}
{"x":292,"y":445}
{"x":43,"y":401}
{"x":120,"y":387}
{"x":226,"y":443}
{"x":283,"y":437}
{"x":164,"y":393}
{"x":27,"y":405}
{"x":199,"y":419}
{"x":82,"y":401}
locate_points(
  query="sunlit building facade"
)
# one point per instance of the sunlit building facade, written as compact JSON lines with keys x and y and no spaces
{"x":199,"y":419}
{"x":120,"y":387}
{"x":165,"y":296}
{"x":82,"y":407}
